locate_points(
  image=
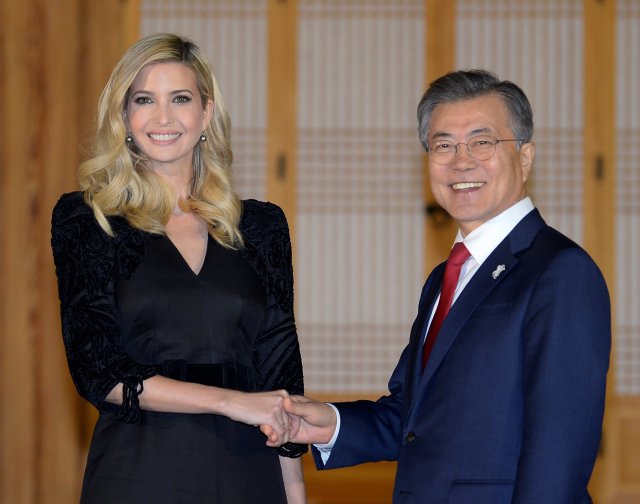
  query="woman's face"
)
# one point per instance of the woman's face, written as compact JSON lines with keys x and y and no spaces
{"x":165,"y":115}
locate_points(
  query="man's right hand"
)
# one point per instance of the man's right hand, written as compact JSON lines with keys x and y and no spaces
{"x":311,"y":422}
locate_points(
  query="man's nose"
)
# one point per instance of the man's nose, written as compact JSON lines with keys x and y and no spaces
{"x":462,"y":158}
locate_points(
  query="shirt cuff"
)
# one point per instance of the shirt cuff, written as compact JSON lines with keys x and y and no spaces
{"x":325,"y":449}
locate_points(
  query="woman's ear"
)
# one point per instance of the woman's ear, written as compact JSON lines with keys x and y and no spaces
{"x":208,"y":113}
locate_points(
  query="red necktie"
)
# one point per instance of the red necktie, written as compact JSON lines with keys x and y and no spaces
{"x":459,"y":254}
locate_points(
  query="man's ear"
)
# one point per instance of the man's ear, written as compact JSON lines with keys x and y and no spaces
{"x":527,"y":153}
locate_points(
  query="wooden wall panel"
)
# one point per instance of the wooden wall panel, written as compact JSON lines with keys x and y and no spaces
{"x":55,"y":57}
{"x":56,"y":466}
{"x":39,"y":97}
{"x":17,"y":455}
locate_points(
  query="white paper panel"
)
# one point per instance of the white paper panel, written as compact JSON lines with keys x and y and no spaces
{"x":360,"y":221}
{"x":233,"y":35}
{"x":538,"y":45}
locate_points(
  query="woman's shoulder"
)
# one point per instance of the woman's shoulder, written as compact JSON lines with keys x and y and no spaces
{"x":74,"y":226}
{"x":71,"y":206}
{"x":263,"y":221}
{"x":267,"y":247}
{"x":73,"y":221}
{"x":261,"y":214}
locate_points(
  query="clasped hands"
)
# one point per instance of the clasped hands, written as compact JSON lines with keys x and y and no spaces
{"x":298,"y":419}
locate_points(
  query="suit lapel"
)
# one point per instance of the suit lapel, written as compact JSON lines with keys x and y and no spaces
{"x":419,"y":329}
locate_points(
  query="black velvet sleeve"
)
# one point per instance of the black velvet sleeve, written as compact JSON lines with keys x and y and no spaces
{"x":86,"y":264}
{"x":276,"y":358}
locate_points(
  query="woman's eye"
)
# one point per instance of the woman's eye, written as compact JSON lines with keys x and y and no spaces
{"x":182,"y":99}
{"x":142,"y":100}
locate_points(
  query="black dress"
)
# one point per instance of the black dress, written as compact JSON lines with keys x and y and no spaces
{"x":132,"y":308}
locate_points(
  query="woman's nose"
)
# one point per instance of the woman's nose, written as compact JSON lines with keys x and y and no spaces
{"x":163,"y":113}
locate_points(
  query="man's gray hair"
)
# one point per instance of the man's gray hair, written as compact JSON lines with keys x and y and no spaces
{"x":469,"y":84}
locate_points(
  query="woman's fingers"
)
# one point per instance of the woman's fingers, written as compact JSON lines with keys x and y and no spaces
{"x":266,"y":410}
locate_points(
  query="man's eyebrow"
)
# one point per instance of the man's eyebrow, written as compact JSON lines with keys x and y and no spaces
{"x":440,"y":134}
{"x":477,"y":131}
{"x":481,"y":131}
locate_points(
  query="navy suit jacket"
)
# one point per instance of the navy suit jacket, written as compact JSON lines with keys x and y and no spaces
{"x":509,"y":408}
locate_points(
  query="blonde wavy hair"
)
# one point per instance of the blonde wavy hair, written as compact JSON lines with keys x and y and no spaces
{"x":116,"y":180}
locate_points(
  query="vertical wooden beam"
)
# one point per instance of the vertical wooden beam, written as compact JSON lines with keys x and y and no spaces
{"x":600,"y":133}
{"x":131,"y":16}
{"x":21,"y":125}
{"x":57,"y":423}
{"x":440,"y":52}
{"x":441,"y":37}
{"x":39,"y":95}
{"x":282,"y":107}
{"x":600,"y":196}
{"x":54,"y":60}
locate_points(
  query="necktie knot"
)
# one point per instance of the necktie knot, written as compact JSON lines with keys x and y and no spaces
{"x":459,"y":254}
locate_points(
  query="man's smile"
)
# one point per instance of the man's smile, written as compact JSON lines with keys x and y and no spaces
{"x":461,"y":186}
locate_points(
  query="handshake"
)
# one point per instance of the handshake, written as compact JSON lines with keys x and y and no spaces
{"x":296,"y":419}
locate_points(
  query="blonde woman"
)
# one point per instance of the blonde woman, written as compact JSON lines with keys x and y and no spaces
{"x":176,"y":297}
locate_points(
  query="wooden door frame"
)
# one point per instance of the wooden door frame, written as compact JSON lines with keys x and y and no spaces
{"x":600,"y":236}
{"x":282,"y":106}
{"x":440,"y":58}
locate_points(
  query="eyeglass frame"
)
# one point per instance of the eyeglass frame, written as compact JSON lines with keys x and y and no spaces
{"x":455,"y":151}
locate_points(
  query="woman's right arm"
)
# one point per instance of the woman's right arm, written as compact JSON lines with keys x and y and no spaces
{"x":174,"y":396}
{"x":101,"y":370}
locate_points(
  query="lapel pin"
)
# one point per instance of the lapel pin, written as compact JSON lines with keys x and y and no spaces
{"x":497,"y":271}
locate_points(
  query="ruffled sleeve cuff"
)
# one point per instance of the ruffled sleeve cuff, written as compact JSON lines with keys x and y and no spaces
{"x":129,"y":410}
{"x":293,"y":450}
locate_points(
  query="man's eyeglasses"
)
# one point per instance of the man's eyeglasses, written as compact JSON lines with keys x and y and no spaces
{"x":480,"y":148}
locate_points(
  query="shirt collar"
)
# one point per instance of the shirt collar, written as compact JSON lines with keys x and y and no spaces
{"x":485,"y":238}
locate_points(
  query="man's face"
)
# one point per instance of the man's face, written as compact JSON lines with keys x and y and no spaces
{"x":473,"y":191}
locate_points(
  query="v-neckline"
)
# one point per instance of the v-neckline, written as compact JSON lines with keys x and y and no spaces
{"x":185,"y":262}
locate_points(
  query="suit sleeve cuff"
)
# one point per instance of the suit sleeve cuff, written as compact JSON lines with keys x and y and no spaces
{"x":325,"y":449}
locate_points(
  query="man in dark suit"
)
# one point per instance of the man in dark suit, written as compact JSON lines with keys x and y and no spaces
{"x":503,"y":403}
